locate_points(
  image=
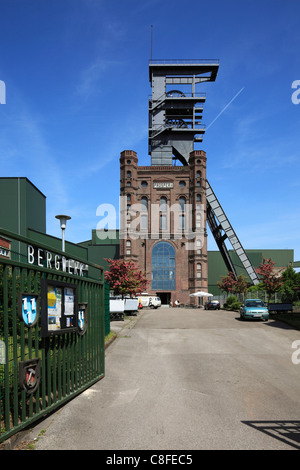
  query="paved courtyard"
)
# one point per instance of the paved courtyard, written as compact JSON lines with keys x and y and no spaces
{"x":187,"y":379}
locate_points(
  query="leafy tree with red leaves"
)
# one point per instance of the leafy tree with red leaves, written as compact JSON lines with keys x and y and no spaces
{"x":231,"y":284}
{"x":125,"y":278}
{"x":271,"y":281}
{"x":241,"y":284}
{"x":228,"y":283}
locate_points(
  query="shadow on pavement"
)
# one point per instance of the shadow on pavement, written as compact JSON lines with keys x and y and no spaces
{"x":285,"y":431}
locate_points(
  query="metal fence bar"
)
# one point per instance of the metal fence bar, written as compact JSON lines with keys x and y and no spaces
{"x":6,"y":341}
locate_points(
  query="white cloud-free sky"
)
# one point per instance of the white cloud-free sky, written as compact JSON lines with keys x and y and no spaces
{"x":77,"y":87}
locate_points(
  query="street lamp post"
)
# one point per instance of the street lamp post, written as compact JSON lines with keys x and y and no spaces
{"x":63,"y":222}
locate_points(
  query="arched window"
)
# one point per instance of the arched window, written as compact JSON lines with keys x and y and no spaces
{"x":144,"y":204}
{"x":182,"y":203}
{"x":199,"y":270}
{"x":163,"y":266}
{"x":163,"y":204}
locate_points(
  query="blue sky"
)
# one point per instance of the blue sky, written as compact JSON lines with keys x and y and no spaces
{"x":77,"y":87}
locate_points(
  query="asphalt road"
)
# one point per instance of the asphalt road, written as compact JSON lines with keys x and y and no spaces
{"x":187,"y":379}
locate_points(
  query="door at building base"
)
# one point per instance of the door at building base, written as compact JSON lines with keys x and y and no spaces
{"x":165,"y":297}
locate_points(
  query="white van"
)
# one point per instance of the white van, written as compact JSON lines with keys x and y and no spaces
{"x":147,"y":300}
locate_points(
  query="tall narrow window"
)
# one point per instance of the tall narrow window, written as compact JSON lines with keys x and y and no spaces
{"x":163,"y":266}
{"x":181,"y":221}
{"x":144,"y":204}
{"x":163,"y":205}
{"x":182,"y":202}
{"x":144,"y":213}
{"x":199,"y":270}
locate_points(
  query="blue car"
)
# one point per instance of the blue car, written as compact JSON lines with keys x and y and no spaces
{"x":254,"y":309}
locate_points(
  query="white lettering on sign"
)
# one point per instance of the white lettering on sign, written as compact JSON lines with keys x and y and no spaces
{"x":30,"y":254}
{"x":163,"y":185}
{"x":49,"y":258}
{"x":66,"y":265}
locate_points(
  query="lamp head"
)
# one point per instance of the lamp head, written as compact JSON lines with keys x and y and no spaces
{"x":63,"y":220}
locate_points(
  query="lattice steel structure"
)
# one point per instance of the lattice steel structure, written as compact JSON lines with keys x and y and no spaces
{"x":175,"y":107}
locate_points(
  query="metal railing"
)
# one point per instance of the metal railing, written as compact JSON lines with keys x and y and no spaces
{"x":184,"y":61}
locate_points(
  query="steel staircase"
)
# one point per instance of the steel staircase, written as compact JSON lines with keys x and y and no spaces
{"x":221,"y":230}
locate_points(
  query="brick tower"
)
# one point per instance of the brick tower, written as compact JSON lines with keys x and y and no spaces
{"x":165,"y":206}
{"x":164,"y":224}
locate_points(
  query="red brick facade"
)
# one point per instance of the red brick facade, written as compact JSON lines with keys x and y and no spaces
{"x":175,"y":184}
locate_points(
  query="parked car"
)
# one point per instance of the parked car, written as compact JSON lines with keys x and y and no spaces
{"x":254,"y":309}
{"x":212,"y":305}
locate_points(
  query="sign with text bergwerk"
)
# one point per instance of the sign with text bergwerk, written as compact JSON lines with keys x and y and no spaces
{"x":46,"y":259}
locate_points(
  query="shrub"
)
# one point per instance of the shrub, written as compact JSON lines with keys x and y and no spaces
{"x":235,"y":306}
{"x":232,"y":303}
{"x":230,"y":300}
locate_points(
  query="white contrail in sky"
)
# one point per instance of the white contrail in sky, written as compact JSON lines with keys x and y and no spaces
{"x":225,"y":107}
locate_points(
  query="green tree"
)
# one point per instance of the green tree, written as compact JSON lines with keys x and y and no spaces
{"x":291,"y":285}
{"x":272,"y":282}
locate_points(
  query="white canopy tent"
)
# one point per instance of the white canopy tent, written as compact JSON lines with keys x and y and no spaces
{"x":201,"y":294}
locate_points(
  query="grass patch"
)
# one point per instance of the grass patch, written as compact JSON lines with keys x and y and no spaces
{"x":110,"y":336}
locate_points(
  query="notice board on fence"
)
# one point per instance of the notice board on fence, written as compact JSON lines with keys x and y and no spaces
{"x":59,"y":308}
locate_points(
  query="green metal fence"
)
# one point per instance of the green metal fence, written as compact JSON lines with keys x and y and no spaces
{"x":62,"y":362}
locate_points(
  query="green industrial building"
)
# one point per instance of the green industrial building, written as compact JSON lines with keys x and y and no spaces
{"x":24,"y":213}
{"x":217,"y":268}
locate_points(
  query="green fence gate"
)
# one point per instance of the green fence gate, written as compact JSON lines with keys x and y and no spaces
{"x":51,"y":330}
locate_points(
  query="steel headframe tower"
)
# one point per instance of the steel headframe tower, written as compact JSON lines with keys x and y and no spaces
{"x":175,"y":124}
{"x":175,"y":117}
